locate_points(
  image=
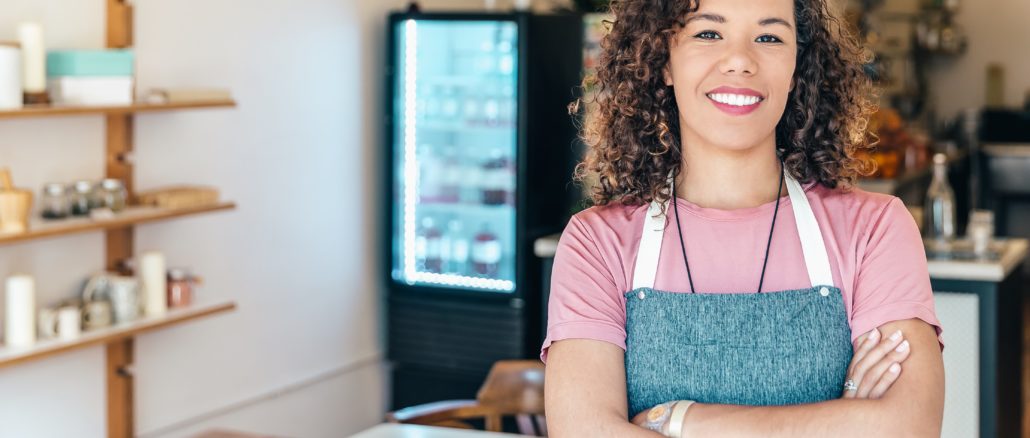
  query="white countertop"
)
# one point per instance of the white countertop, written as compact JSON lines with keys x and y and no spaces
{"x":1015,"y":251}
{"x":391,"y":430}
{"x":1012,"y":256}
{"x":1010,"y":150}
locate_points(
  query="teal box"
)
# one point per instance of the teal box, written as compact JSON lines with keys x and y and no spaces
{"x":120,"y":62}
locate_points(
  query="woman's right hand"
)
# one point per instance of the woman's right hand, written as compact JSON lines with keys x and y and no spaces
{"x":876,"y":363}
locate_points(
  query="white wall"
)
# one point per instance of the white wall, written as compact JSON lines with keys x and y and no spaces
{"x":997,"y":34}
{"x":303,"y":354}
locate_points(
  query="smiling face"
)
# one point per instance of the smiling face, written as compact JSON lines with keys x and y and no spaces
{"x":731,"y":68}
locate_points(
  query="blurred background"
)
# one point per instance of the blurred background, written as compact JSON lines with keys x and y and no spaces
{"x":307,"y":218}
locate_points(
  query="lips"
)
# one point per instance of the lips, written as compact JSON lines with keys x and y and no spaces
{"x":735,"y":101}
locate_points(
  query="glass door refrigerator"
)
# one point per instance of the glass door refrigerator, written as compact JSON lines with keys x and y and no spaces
{"x":479,"y":153}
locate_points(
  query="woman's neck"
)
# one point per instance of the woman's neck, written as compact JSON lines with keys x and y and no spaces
{"x":715,"y":177}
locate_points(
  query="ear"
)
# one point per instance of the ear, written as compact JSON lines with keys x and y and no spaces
{"x":666,"y":75}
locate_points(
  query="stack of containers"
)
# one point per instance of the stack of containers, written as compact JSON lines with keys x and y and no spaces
{"x":90,"y":77}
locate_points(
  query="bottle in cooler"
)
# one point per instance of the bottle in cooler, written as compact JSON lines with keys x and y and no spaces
{"x":470,"y":190}
{"x":486,"y":253}
{"x":450,"y":178}
{"x":497,"y":179}
{"x":430,"y":175}
{"x":431,"y":246}
{"x":459,"y":249}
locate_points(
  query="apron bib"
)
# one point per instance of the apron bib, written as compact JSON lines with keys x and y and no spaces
{"x":770,"y":348}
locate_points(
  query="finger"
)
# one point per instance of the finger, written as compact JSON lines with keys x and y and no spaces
{"x":877,"y":373}
{"x":874,"y":356}
{"x":866,"y":344}
{"x":878,"y":369}
{"x":888,"y":379}
{"x":848,"y":394}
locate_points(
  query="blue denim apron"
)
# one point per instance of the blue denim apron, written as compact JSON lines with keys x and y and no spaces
{"x":772,"y":348}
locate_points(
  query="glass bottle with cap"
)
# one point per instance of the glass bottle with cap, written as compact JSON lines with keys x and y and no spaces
{"x":112,"y":194}
{"x":940,"y":205}
{"x":54,"y":201}
{"x":82,"y":198}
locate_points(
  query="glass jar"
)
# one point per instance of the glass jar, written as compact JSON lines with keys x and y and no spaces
{"x":81,"y":198}
{"x":112,"y":194}
{"x":54,"y":201}
{"x":981,"y":231}
{"x":180,"y":288}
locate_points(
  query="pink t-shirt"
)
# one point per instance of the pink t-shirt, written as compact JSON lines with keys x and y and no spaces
{"x":875,"y":250}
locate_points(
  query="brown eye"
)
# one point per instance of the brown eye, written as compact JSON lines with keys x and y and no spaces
{"x":708,"y":35}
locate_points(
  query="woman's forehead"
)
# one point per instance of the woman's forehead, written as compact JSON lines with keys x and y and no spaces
{"x":726,"y":11}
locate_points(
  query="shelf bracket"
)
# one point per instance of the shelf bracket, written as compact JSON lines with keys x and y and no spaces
{"x":119,"y":24}
{"x":119,"y":389}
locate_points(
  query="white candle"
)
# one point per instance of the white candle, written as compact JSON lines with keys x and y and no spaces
{"x":33,"y":53}
{"x":20,"y":323}
{"x":10,"y":77}
{"x":69,"y":322}
{"x":152,"y":275}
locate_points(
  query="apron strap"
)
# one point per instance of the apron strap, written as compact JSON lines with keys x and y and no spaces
{"x":816,"y":258}
{"x":650,"y":247}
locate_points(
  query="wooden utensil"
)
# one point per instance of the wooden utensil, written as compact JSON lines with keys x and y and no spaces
{"x":15,"y":205}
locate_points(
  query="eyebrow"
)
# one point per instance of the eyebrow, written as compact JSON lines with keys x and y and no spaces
{"x":720,"y":19}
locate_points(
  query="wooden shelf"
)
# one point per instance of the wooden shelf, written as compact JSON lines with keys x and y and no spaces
{"x":39,"y":228}
{"x":58,"y":110}
{"x":48,"y":347}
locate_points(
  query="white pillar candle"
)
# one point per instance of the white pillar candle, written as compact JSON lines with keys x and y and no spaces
{"x":69,"y":322}
{"x":20,"y":321}
{"x":152,"y":275}
{"x":33,"y":53}
{"x":10,"y":77}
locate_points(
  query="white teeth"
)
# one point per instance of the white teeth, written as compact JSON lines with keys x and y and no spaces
{"x":735,"y":99}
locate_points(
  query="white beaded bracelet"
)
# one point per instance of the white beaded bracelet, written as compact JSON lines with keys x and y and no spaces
{"x":679,"y":412}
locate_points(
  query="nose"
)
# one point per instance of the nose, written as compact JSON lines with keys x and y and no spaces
{"x":739,"y":59}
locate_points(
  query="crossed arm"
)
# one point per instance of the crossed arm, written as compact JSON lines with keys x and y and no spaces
{"x":586,"y":396}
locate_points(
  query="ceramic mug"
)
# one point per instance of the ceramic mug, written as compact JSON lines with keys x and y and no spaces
{"x":123,"y":292}
{"x":64,"y":322}
{"x":96,"y":307}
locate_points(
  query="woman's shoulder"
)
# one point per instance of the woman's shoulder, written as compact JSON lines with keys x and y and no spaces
{"x":612,"y":218}
{"x":861,"y":209}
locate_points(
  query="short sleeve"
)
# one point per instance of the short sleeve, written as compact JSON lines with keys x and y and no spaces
{"x":893,"y":282}
{"x":584,"y":301}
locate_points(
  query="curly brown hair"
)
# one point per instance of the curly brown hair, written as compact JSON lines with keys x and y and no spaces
{"x":633,"y":137}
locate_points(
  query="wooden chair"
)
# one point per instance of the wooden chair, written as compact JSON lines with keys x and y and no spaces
{"x":513,"y":388}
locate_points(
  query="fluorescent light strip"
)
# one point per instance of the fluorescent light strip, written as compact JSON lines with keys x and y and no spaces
{"x":410,"y":163}
{"x":461,"y":280}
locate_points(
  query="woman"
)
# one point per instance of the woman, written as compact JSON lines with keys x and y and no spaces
{"x":730,"y":281}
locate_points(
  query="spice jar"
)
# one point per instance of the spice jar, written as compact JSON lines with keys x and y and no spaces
{"x":112,"y":194}
{"x":54,"y":202}
{"x":82,"y":198}
{"x":180,"y":288}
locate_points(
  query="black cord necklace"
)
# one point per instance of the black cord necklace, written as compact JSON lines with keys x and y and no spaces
{"x":768,"y":244}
